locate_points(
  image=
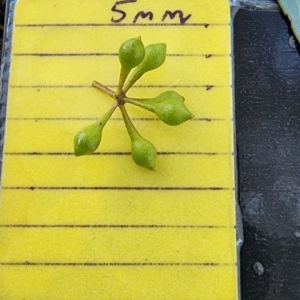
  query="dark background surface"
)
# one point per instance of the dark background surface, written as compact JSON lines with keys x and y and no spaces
{"x":267,"y":96}
{"x":267,"y":88}
{"x":2,"y":15}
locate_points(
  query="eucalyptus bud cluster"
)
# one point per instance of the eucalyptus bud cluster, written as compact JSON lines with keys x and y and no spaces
{"x":135,"y":60}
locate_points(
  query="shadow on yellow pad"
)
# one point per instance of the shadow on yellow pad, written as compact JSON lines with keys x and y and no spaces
{"x":100,"y":227}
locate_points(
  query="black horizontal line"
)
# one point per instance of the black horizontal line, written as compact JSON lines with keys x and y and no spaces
{"x":138,"y":188}
{"x":113,"y":119}
{"x":205,"y":25}
{"x":69,"y":86}
{"x":65,"y":54}
{"x":116,"y":54}
{"x":117,"y":264}
{"x":108,"y":226}
{"x":117,"y":153}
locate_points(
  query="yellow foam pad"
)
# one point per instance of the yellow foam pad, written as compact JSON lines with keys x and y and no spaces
{"x":100,"y":227}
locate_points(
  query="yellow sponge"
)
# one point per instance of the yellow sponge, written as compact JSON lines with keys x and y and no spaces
{"x":100,"y":227}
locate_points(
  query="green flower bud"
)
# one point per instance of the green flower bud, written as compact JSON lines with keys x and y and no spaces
{"x":155,"y":55}
{"x":168,"y":106}
{"x":88,"y":139}
{"x":131,"y":53}
{"x":143,"y":152}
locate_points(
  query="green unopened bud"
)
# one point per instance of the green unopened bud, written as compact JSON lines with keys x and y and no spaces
{"x":143,"y":152}
{"x":155,"y":55}
{"x":88,"y":139}
{"x":131,"y":53}
{"x":168,"y":106}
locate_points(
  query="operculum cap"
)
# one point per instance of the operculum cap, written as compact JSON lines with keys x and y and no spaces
{"x":143,"y":152}
{"x":131,"y":53}
{"x":88,"y":139}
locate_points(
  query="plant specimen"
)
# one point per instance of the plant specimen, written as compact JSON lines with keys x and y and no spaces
{"x":135,"y":61}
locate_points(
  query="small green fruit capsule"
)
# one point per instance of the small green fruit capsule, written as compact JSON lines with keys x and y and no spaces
{"x":88,"y":139}
{"x":169,"y":107}
{"x":143,"y":152}
{"x":131,"y":53}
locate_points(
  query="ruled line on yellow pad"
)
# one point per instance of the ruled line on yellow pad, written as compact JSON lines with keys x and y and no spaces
{"x":124,"y":264}
{"x":126,"y":245}
{"x":213,"y":40}
{"x":95,"y":118}
{"x":128,"y":188}
{"x":44,"y":131}
{"x":110,"y":207}
{"x":117,"y":153}
{"x":110,"y":54}
{"x":210,"y":103}
{"x":103,"y":172}
{"x":100,"y":226}
{"x":82,"y":86}
{"x":119,"y":25}
{"x":106,"y":226}
{"x":66,"y":71}
{"x":69,"y":86}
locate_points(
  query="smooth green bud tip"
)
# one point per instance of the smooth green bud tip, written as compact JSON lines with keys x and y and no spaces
{"x":131,"y":53}
{"x":143,"y":152}
{"x":155,"y":55}
{"x":88,"y":139}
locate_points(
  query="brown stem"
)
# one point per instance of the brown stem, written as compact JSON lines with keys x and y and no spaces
{"x":129,"y":126}
{"x":104,"y":89}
